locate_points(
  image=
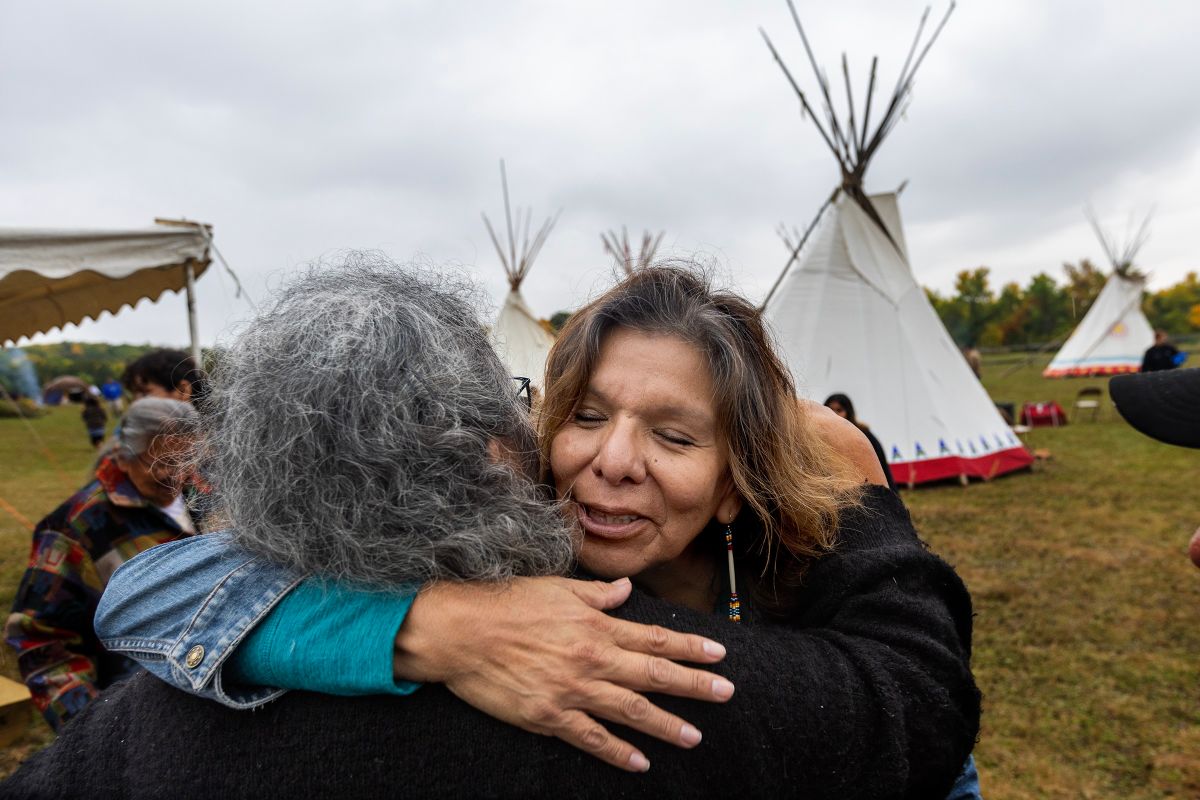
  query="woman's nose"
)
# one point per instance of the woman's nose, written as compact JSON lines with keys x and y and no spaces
{"x":620,"y":456}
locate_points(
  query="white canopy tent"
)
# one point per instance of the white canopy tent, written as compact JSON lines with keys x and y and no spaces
{"x":850,"y":317}
{"x":1114,"y":334}
{"x":521,"y":340}
{"x":49,"y":278}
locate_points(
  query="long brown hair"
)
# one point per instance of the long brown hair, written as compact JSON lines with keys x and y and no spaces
{"x":786,"y":474}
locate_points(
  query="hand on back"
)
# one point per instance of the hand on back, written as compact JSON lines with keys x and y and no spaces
{"x":541,"y":654}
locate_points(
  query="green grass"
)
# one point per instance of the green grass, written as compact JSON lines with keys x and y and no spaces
{"x":1087,"y":642}
{"x":1086,"y":636}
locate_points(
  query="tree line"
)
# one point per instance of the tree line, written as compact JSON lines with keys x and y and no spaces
{"x":1045,"y":310}
{"x":94,"y":363}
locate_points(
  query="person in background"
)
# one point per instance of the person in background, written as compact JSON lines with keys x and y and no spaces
{"x":95,"y":419}
{"x":165,"y":373}
{"x":974,"y":360}
{"x":840,"y":404}
{"x":172,"y":374}
{"x":1164,"y":406}
{"x":132,"y":504}
{"x":112,"y":391}
{"x":1162,"y":355}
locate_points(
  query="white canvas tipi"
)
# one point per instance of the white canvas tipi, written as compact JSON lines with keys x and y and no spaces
{"x":1114,"y":334}
{"x":850,"y":317}
{"x":522,"y":341}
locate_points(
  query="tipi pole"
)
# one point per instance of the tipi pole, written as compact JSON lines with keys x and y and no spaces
{"x":804,"y":102}
{"x":799,"y":246}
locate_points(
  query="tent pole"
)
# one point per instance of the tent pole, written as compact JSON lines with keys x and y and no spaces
{"x":193,"y":328}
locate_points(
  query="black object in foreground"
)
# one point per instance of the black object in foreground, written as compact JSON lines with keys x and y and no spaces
{"x":1162,"y":405}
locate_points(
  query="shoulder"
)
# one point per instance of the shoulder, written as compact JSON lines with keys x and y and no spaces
{"x":846,"y":440}
{"x":80,"y":506}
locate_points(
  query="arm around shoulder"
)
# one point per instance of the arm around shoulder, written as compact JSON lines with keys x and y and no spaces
{"x":181,"y":608}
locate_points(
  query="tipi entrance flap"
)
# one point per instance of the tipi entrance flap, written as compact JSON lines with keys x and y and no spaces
{"x":887,"y":206}
{"x":872,"y":254}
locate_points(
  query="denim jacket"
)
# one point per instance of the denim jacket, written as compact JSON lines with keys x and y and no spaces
{"x":182,"y":630}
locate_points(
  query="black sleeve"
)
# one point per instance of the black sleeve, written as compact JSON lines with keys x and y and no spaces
{"x":868,"y":692}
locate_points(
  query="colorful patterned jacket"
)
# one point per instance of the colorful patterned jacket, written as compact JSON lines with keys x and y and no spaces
{"x":75,"y":551}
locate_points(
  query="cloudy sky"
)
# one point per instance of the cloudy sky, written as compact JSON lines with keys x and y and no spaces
{"x":299,"y":132}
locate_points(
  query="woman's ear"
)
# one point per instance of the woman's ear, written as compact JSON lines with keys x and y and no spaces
{"x":730,"y":504}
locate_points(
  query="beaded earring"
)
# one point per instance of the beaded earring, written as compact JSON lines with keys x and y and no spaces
{"x":735,"y":605}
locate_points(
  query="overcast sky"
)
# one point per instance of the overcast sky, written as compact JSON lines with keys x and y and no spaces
{"x":298,"y":132}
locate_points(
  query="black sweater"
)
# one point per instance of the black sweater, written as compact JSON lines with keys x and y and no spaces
{"x":866,"y":693}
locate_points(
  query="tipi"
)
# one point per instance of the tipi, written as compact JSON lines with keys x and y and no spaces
{"x":1114,"y":334}
{"x":622,"y":251}
{"x":850,"y":317}
{"x":522,"y":341}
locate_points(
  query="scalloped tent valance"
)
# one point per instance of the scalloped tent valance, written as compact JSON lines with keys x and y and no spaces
{"x":49,"y":278}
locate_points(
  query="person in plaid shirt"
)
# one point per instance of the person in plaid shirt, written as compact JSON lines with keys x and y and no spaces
{"x":133,"y":503}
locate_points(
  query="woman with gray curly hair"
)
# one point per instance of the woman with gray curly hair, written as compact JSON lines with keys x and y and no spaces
{"x":363,"y":430}
{"x":352,"y":433}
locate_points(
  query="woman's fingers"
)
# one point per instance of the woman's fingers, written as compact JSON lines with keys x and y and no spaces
{"x":634,"y":711}
{"x":659,"y":641}
{"x":600,"y":595}
{"x":549,"y":660}
{"x":579,"y":730}
{"x":643,"y":673}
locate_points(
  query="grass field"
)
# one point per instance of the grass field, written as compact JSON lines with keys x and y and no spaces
{"x":1087,"y":637}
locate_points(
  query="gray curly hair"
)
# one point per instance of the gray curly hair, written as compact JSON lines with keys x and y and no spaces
{"x":350,"y":432}
{"x":151,"y":417}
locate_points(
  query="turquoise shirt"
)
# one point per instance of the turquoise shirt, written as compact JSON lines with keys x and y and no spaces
{"x":327,"y":637}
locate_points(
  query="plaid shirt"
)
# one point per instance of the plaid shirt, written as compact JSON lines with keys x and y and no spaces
{"x":75,"y":551}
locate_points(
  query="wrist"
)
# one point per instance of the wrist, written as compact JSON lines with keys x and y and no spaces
{"x":440,"y":623}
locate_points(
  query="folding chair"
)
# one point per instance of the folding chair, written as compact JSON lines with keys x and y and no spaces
{"x":1089,"y":399}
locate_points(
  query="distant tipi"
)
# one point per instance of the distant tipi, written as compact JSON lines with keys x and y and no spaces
{"x":622,"y":251}
{"x":1114,"y":334}
{"x":522,"y":341}
{"x":850,"y":317}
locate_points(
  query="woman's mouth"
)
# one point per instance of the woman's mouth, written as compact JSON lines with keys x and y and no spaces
{"x":609,"y":524}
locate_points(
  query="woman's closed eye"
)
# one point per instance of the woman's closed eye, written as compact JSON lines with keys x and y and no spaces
{"x":676,"y":438}
{"x":587,"y":417}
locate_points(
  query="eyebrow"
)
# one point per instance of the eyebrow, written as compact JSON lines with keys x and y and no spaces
{"x":683,"y":413}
